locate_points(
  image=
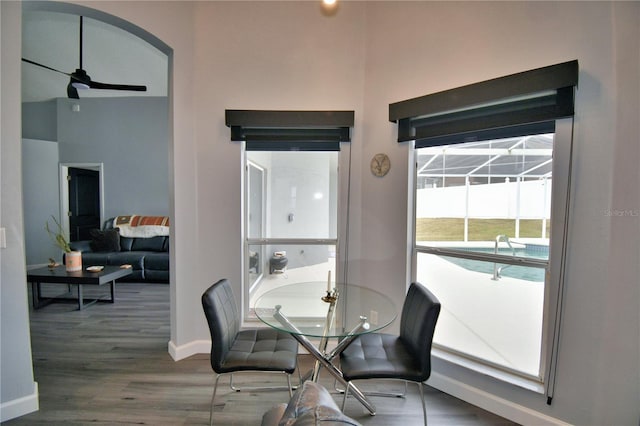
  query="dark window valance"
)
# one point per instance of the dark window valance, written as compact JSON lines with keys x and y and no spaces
{"x":501,"y":107}
{"x":290,"y":130}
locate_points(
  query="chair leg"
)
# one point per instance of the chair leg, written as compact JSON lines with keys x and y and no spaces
{"x":344,"y":398}
{"x":290,"y":387}
{"x":264,"y":388}
{"x":424,"y":407}
{"x":213,"y":397}
{"x":385,"y":394}
{"x":231,"y":383}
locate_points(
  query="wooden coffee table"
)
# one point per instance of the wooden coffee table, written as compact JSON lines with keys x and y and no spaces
{"x":59,"y":275}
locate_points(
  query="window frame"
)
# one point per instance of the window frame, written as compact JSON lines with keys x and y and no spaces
{"x":553,"y":268}
{"x":504,"y":107}
{"x":342,"y":226}
{"x":294,"y":130}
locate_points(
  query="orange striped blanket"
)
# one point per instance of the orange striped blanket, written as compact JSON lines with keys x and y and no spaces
{"x":142,"y":226}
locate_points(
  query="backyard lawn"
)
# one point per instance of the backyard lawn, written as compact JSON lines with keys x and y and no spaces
{"x":452,"y":229}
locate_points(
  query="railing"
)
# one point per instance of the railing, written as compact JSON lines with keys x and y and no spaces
{"x":497,"y":270}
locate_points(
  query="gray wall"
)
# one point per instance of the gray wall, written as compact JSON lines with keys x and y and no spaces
{"x":40,"y":198}
{"x":39,"y":120}
{"x":128,"y":135}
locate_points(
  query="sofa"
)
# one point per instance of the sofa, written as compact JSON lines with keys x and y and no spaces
{"x":139,"y":241}
{"x":311,"y":404}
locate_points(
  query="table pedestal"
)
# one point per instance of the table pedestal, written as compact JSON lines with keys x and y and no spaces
{"x":323,"y":359}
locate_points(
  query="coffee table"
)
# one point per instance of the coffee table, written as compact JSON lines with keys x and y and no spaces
{"x":59,"y":275}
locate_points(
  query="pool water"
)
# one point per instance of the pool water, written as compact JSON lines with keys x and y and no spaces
{"x":527,"y":273}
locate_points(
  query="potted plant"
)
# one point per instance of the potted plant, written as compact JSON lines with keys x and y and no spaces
{"x":72,"y":259}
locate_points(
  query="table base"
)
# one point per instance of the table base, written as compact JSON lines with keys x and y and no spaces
{"x":39,"y":301}
{"x":324,"y":360}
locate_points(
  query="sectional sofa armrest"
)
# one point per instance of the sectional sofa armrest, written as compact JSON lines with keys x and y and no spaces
{"x":310,"y":405}
{"x":84,"y":245}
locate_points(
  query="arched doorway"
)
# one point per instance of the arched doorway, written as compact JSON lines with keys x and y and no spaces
{"x":139,"y":35}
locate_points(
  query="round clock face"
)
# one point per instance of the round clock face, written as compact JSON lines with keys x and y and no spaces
{"x":380,"y":165}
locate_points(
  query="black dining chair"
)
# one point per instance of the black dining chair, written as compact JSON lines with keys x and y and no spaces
{"x":235,"y":350}
{"x":404,"y":357}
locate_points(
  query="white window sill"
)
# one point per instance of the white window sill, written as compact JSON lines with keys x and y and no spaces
{"x":487,"y":370}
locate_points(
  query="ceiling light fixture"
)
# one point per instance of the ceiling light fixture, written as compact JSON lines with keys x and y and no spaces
{"x":329,"y":7}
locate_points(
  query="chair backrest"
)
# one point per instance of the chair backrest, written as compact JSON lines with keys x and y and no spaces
{"x":224,"y":322}
{"x":420,"y":313}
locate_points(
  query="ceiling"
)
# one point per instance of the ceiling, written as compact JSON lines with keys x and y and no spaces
{"x":111,"y":55}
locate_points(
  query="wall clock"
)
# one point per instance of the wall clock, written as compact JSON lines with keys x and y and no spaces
{"x":380,"y":165}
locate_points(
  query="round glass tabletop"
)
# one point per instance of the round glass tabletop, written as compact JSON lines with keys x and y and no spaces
{"x":303,"y":306}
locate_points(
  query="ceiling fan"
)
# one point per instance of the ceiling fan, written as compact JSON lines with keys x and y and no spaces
{"x":79,"y":79}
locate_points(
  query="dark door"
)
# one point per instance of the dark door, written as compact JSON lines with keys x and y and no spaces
{"x":84,"y":203}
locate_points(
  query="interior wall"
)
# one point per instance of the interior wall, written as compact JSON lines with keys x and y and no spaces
{"x":285,"y":56}
{"x":282,"y":56}
{"x":39,"y":120}
{"x":443,"y":45}
{"x":40,"y":199}
{"x":18,"y":390}
{"x":129,"y":135}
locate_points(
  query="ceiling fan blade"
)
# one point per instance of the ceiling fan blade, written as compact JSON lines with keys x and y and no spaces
{"x":81,"y":80}
{"x":44,"y":66}
{"x":108,"y":86}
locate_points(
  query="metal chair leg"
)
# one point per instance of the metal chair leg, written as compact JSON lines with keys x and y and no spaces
{"x":264,"y":388}
{"x":424,"y":407}
{"x":213,"y":397}
{"x":385,"y":394}
{"x":345,"y":392}
{"x":344,"y":398}
{"x":290,"y":387}
{"x":215,"y":389}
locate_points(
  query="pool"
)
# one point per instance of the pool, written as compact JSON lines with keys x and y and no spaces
{"x":526,"y":273}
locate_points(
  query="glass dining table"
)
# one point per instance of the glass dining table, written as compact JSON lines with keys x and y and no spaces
{"x":322,"y":311}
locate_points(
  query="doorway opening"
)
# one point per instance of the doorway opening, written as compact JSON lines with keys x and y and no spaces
{"x":81,"y":199}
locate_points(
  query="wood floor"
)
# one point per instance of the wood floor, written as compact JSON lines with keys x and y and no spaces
{"x":108,"y":365}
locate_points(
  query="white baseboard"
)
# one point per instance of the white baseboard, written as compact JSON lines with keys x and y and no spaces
{"x":492,"y":403}
{"x":192,"y":348}
{"x":21,"y":406}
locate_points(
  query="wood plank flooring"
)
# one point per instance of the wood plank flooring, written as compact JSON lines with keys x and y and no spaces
{"x":109,"y":365}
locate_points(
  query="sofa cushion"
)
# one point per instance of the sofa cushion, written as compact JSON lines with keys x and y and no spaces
{"x":103,"y":241}
{"x":148,"y":244}
{"x":135,"y":259}
{"x":126,"y":243}
{"x":90,"y":258}
{"x":156,"y":261}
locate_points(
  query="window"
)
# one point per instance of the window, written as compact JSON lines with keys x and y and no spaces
{"x":482,"y":232}
{"x":294,"y":186}
{"x":490,"y":197}
{"x":291,"y":213}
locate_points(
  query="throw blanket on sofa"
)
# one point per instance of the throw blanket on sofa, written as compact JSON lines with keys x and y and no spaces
{"x":135,"y":226}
